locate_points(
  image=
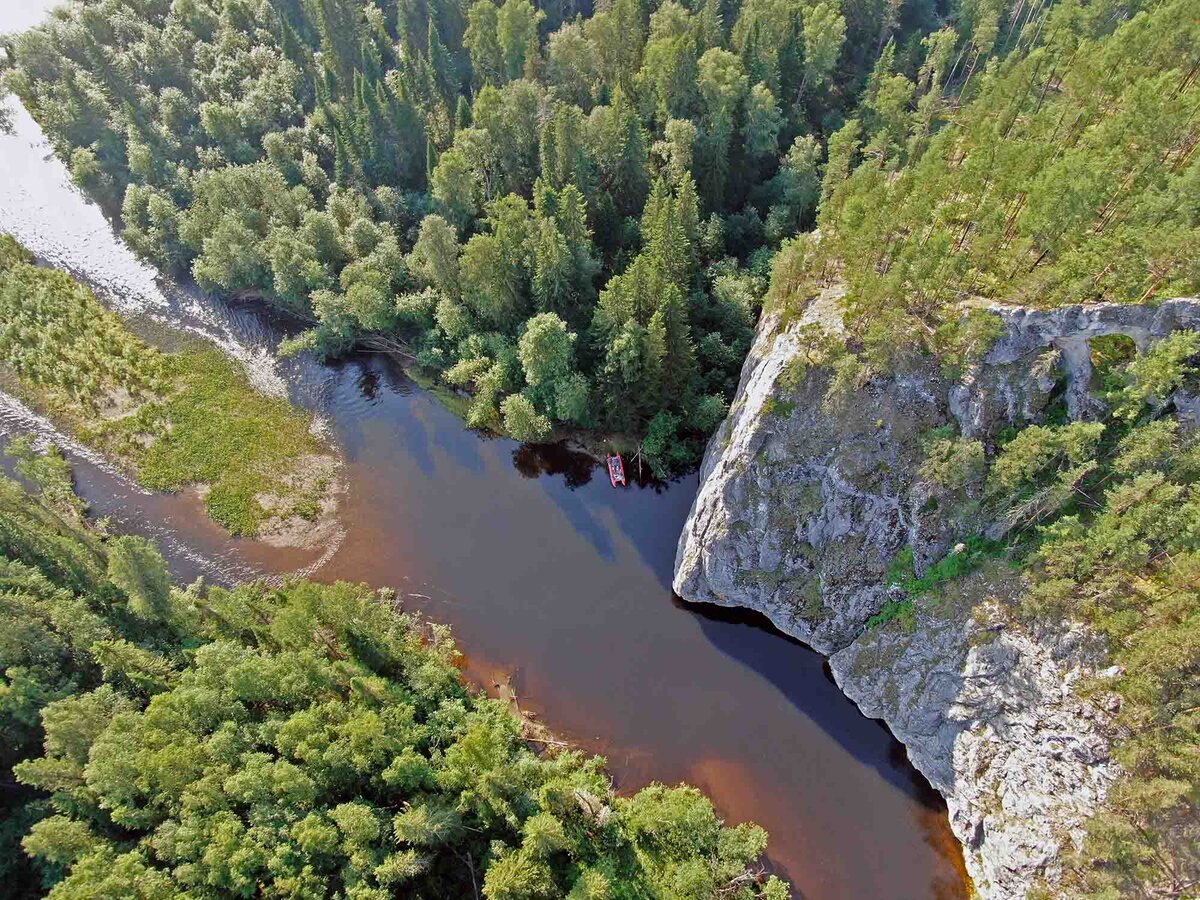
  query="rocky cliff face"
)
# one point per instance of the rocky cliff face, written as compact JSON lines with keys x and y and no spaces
{"x":802,"y":509}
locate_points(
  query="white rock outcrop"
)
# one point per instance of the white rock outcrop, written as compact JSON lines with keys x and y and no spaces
{"x":801,"y":510}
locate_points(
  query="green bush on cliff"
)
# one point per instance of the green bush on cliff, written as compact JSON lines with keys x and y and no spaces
{"x":1124,"y":556}
{"x":1104,"y":520}
{"x":902,"y":575}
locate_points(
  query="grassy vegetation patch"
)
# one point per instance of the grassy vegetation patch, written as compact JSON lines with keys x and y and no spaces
{"x":892,"y":611}
{"x":174,"y":419}
{"x":778,"y":408}
{"x":223,"y":433}
{"x":975,"y":551}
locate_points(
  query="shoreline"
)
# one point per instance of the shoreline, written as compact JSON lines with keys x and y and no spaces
{"x":179,"y":417}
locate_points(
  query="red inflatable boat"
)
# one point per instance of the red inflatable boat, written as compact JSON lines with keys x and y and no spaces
{"x":616,"y":470}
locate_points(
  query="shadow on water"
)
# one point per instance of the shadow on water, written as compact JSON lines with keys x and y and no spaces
{"x":542,"y":570}
{"x":549,"y":460}
{"x":744,"y":634}
{"x":550,"y":576}
{"x":577,"y":470}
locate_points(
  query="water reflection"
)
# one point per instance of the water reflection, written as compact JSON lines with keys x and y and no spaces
{"x":746,"y":635}
{"x":543,"y":570}
{"x":538,"y":460}
{"x":368,"y":386}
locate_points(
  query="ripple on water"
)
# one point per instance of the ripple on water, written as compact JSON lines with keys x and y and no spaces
{"x":18,"y":419}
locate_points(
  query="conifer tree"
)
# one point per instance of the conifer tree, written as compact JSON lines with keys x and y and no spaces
{"x":516,"y":31}
{"x":483,"y":44}
{"x":824,"y":32}
{"x":441,"y":66}
{"x":341,"y":42}
{"x":441,"y":107}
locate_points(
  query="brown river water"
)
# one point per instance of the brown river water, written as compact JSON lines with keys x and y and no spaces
{"x":546,"y":574}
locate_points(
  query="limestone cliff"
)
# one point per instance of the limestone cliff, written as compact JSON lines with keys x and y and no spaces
{"x":803,"y":507}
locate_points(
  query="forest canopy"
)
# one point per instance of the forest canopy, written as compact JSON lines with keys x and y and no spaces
{"x":470,"y":183}
{"x":1060,"y":169}
{"x":303,"y":741}
{"x":460,"y":179}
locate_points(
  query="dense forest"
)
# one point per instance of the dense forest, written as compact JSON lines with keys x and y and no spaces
{"x":305,"y":741}
{"x":1065,"y":173}
{"x":569,"y":213}
{"x":574,"y":213}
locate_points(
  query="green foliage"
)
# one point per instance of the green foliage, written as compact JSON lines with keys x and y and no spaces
{"x":226,"y":434}
{"x":964,"y":341}
{"x":951,"y":462}
{"x":362,"y":165}
{"x":137,"y":568}
{"x":1039,"y":472}
{"x":778,"y":408}
{"x":305,"y":738}
{"x":57,"y":337}
{"x":175,"y":419}
{"x":902,"y":576}
{"x":50,"y":472}
{"x":452,"y":176}
{"x":1126,"y":563}
{"x":1103,"y":517}
{"x":952,"y":566}
{"x":902,"y":611}
{"x":522,"y":420}
{"x":58,"y":613}
{"x":1055,"y":176}
{"x":1151,"y":377}
{"x":662,"y":448}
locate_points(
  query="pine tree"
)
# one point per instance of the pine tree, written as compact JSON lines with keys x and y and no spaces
{"x":688,"y":205}
{"x":293,"y":48}
{"x":628,"y":181}
{"x":710,"y":25}
{"x":431,"y":158}
{"x":483,"y":44}
{"x":629,"y":25}
{"x":823,"y":35}
{"x":516,"y":29}
{"x":551,"y":284}
{"x":440,"y":64}
{"x":679,"y":360}
{"x":571,"y":215}
{"x":843,"y":149}
{"x":655,"y":214}
{"x":344,"y":165}
{"x":341,"y":45}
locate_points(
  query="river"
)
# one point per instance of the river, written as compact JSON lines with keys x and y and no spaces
{"x":545,"y":573}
